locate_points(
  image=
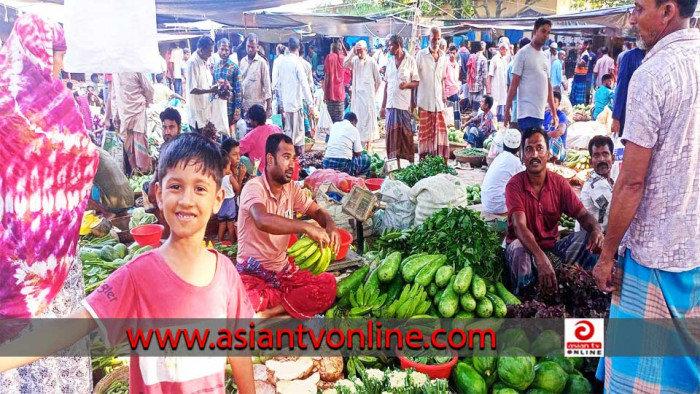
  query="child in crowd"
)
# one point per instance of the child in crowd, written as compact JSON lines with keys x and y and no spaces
{"x":180,"y":279}
{"x":604,"y":96}
{"x":481,"y":126}
{"x":231,"y":183}
{"x":557,"y":136}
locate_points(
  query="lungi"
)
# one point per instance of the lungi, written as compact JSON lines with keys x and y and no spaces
{"x":399,"y":135}
{"x":648,"y":293}
{"x":579,"y":92}
{"x":302,"y":294}
{"x":335,"y":110}
{"x":136,"y":150}
{"x":294,"y":128}
{"x":432,"y":135}
{"x":359,"y":165}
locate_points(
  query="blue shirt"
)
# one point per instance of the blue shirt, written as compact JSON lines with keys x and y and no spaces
{"x":548,"y":126}
{"x":603,"y":98}
{"x":628,"y":65}
{"x":555,"y":74}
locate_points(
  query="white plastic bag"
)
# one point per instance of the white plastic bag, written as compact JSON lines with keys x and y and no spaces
{"x":496,"y":145}
{"x":400,"y":208}
{"x":449,"y":115}
{"x":324,"y":124}
{"x":437,"y":192}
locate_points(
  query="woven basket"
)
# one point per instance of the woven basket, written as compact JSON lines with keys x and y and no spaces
{"x":474,"y":161}
{"x":120,"y":374}
{"x":456,"y":146}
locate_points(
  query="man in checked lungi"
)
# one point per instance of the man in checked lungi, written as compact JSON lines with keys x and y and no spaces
{"x":431,"y":98}
{"x":654,"y":221}
{"x":344,"y":150}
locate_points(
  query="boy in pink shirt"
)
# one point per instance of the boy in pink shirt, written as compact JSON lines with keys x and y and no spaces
{"x":253,"y":144}
{"x":180,"y":279}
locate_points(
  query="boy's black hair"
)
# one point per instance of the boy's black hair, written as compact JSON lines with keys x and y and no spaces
{"x":489,"y":101}
{"x":273,"y":142}
{"x":191,"y":147}
{"x":599,"y":141}
{"x":228,"y":145}
{"x":258,"y":114}
{"x":604,"y":50}
{"x":171,"y":114}
{"x":557,"y":95}
{"x":528,"y":133}
{"x":351,"y":117}
{"x":205,"y":42}
{"x":541,"y":22}
{"x":606,"y":77}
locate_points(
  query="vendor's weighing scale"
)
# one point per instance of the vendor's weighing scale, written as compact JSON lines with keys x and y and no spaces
{"x":360,"y":204}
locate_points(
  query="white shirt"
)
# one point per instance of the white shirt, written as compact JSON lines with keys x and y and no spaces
{"x":176,"y":56}
{"x":533,"y":68}
{"x":432,"y":80}
{"x":493,"y":190}
{"x":596,"y":190}
{"x":344,"y":140}
{"x":292,"y":83}
{"x":407,"y":72}
{"x":198,"y":105}
{"x":227,"y":186}
{"x":498,"y":70}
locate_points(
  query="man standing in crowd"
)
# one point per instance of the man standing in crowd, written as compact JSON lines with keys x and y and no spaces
{"x":626,"y":46}
{"x":294,"y":89}
{"x":255,"y":75}
{"x":452,"y":85}
{"x":344,"y":148}
{"x":536,"y":199}
{"x":134,"y":93}
{"x":514,"y":104}
{"x":478,"y":66}
{"x":463,"y":59}
{"x":556,"y":74}
{"x":604,"y":65}
{"x":553,"y":52}
{"x":401,"y":78}
{"x":591,"y":65}
{"x":199,"y":84}
{"x":501,"y":170}
{"x":432,"y":131}
{"x":596,"y":194}
{"x":176,"y":57}
{"x":226,"y":109}
{"x":579,"y":88}
{"x":333,"y":82}
{"x":496,"y":82}
{"x":530,"y":76}
{"x":627,"y":65}
{"x":281,"y":51}
{"x":313,"y":59}
{"x":365,"y":81}
{"x":655,"y":216}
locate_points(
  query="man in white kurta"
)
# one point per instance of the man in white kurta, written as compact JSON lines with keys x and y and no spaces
{"x":496,"y":86}
{"x":365,"y":81}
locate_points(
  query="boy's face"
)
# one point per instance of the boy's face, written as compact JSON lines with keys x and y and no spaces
{"x":234,"y":156}
{"x":188,"y":198}
{"x":484,"y":106}
{"x":608,"y":83}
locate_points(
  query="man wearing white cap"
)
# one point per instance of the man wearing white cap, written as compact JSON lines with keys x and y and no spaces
{"x":365,"y":81}
{"x":553,"y":52}
{"x":497,"y":78}
{"x":506,"y":164}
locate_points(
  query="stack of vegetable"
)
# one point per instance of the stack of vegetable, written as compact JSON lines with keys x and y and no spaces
{"x":429,"y":166}
{"x":377,"y":164}
{"x":473,"y":194}
{"x":471,"y":152}
{"x":577,"y":159}
{"x":459,"y":233}
{"x":312,"y":159}
{"x":229,"y":250}
{"x":455,"y":135}
{"x":582,"y":113}
{"x":136,"y":182}
{"x":375,"y":381}
{"x":139,"y":217}
{"x":308,"y":255}
{"x":567,"y":222}
{"x":101,"y":257}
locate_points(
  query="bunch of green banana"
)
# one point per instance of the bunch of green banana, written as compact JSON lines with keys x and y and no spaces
{"x":309,"y":256}
{"x":412,"y":301}
{"x":364,"y":301}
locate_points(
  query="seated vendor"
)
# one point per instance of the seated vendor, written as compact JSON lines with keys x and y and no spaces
{"x":253,"y":144}
{"x":344,"y":148}
{"x":481,"y":126}
{"x":501,"y":170}
{"x":557,"y":135}
{"x":536,"y":199}
{"x":111,"y":194}
{"x":265,"y":223}
{"x":604,"y":96}
{"x":596,"y":194}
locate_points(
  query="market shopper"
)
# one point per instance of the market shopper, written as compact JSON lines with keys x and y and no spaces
{"x":47,"y":152}
{"x":430,"y":97}
{"x":604,"y":66}
{"x":344,"y":151}
{"x":530,"y":77}
{"x":604,"y":96}
{"x":266,"y":220}
{"x":333,"y":82}
{"x":253,"y":144}
{"x":556,"y":74}
{"x":514,"y":104}
{"x":579,"y":87}
{"x":627,"y":66}
{"x":556,"y":132}
{"x":134,"y":93}
{"x":226,"y":108}
{"x":478,"y":72}
{"x":294,"y":89}
{"x":596,"y":193}
{"x":401,"y":78}
{"x":180,"y":279}
{"x":365,"y":82}
{"x":501,"y":170}
{"x":255,"y":77}
{"x":453,"y":86}
{"x":654,"y":222}
{"x":200,"y":85}
{"x":536,"y":199}
{"x":497,"y":78}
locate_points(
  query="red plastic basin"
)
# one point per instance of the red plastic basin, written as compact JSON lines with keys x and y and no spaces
{"x":374,"y":183}
{"x":345,"y":241}
{"x":441,"y":371}
{"x":148,"y":234}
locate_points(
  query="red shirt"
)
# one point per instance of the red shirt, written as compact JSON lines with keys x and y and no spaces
{"x":254,"y":143}
{"x":542,"y":214}
{"x":333,"y":67}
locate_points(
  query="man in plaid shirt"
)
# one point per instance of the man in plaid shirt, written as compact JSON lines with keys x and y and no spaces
{"x":226,"y":70}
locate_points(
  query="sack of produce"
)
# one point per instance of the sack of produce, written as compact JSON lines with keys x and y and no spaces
{"x":341,"y":180}
{"x":400,"y":208}
{"x":437,"y":192}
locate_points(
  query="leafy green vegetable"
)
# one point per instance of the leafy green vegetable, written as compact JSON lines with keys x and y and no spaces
{"x":472,"y":152}
{"x":139,"y":217}
{"x":136,"y":182}
{"x":429,"y":166}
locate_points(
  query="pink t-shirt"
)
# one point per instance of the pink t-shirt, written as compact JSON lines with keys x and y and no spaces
{"x":254,"y":143}
{"x":147,"y":288}
{"x":452,"y":83}
{"x":268,"y":249}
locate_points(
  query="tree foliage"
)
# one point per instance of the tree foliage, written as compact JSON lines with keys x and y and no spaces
{"x":583,"y":5}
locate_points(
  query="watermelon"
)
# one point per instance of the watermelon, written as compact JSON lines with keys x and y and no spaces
{"x":577,"y":362}
{"x":517,"y":369}
{"x":484,"y":361}
{"x":537,"y":391}
{"x":467,"y":380}
{"x":498,"y":386}
{"x":506,"y":390}
{"x":577,"y":384}
{"x":564,"y":362}
{"x":549,"y":376}
{"x":514,"y":337}
{"x":547,"y":341}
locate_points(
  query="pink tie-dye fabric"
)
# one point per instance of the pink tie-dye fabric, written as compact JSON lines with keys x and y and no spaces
{"x":48,"y":164}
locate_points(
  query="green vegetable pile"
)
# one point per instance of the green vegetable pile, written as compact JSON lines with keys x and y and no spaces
{"x":458,"y":233}
{"x":377,"y":164}
{"x":101,"y":259}
{"x":455,"y":135}
{"x":231,"y":251}
{"x":472,"y":152}
{"x":567,"y":222}
{"x":136,"y":182}
{"x":119,"y":387}
{"x":139,"y":217}
{"x":429,"y":166}
{"x":473,"y":194}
